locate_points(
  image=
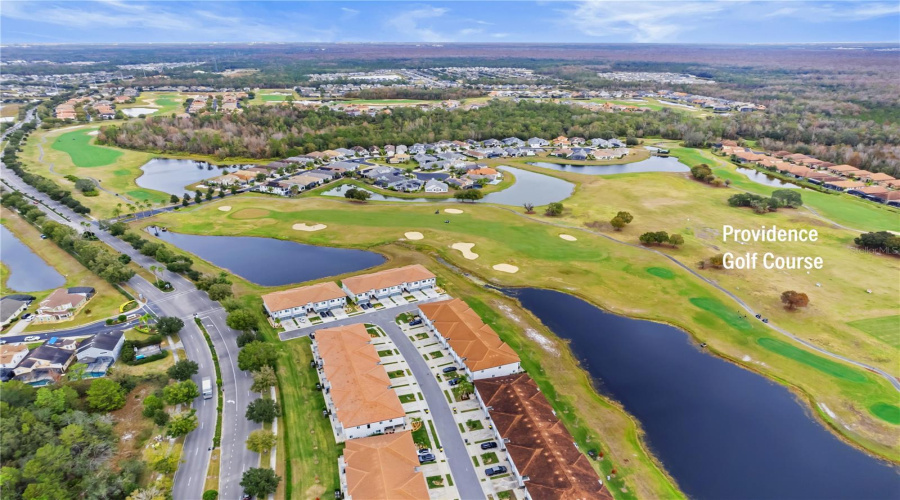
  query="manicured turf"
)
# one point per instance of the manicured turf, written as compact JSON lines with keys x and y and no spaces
{"x":727,"y":314}
{"x":273,"y":98}
{"x":819,"y":363}
{"x":661,"y":272}
{"x":886,"y":412}
{"x":84,"y":154}
{"x":885,"y":328}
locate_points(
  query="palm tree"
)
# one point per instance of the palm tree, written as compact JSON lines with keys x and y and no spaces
{"x":118,"y":210}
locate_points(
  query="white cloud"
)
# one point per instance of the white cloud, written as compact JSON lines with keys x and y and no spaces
{"x":499,"y":35}
{"x":843,"y":11}
{"x":639,"y":21}
{"x":349,"y":12}
{"x":409,"y":24}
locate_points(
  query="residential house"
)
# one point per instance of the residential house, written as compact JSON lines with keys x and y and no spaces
{"x":460,"y":183}
{"x":843,"y":185}
{"x":244,"y":176}
{"x":389,"y":282}
{"x":62,"y":304}
{"x":100,"y":352}
{"x":561,"y":141}
{"x":10,"y":357}
{"x":407,"y":185}
{"x":398,"y":158}
{"x":389,"y":150}
{"x":491,"y":143}
{"x":355,"y":384}
{"x":9,"y":309}
{"x":385,"y":466}
{"x":600,"y":143}
{"x":436,"y":186}
{"x":347,"y":153}
{"x":298,"y":302}
{"x":473,"y":344}
{"x":483,"y":173}
{"x":537,"y":142}
{"x":45,"y":364}
{"x":374,"y":151}
{"x":544,"y":457}
{"x":513,"y":142}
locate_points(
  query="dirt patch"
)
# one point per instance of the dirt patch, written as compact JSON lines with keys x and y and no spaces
{"x":541,"y":340}
{"x":568,"y":237}
{"x":250,"y":213}
{"x":413,"y":235}
{"x":453,"y":211}
{"x":506,"y":268}
{"x":131,"y":425}
{"x":225,"y":208}
{"x":466,"y":249}
{"x":304,"y":227}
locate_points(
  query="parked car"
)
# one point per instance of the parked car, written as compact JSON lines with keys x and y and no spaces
{"x":428,"y":457}
{"x":27,"y":317}
{"x":489,"y":445}
{"x":493,"y":471}
{"x":417,"y":321}
{"x":450,"y":369}
{"x":32,"y":338}
{"x":454,"y":381}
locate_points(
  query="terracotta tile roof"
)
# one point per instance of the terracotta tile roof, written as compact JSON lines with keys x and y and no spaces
{"x":872,"y":190}
{"x":387,"y":278}
{"x":538,"y":443}
{"x":360,"y":387}
{"x":877,"y":176}
{"x":296,"y":297}
{"x":843,"y":168}
{"x":475,"y":342}
{"x":384,"y":467}
{"x":482,"y":171}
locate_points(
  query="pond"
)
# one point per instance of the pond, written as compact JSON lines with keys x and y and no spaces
{"x":652,"y":164}
{"x":719,"y":430}
{"x":271,"y":262}
{"x":172,"y":175}
{"x":530,"y":187}
{"x":27,"y":271}
{"x":766,"y":180}
{"x":134,"y":112}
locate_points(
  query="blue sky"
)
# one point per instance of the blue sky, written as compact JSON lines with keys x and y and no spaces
{"x":590,"y":21}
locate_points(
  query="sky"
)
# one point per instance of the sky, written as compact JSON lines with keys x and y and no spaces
{"x":589,"y":21}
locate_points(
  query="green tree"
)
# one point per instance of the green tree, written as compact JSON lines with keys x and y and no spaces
{"x":676,"y":239}
{"x":173,"y":199}
{"x":186,"y":200}
{"x":625,"y":216}
{"x":169,"y":325}
{"x":152,"y":404}
{"x":255,"y":355}
{"x":262,"y":411}
{"x":702,"y":172}
{"x":182,"y":424}
{"x":263,"y":379}
{"x":105,"y":395}
{"x":617,"y":223}
{"x":219,"y":291}
{"x":56,"y":400}
{"x":242,"y":319}
{"x":554,"y":209}
{"x":210,"y":495}
{"x":469,"y":195}
{"x":261,"y":441}
{"x":259,"y":482}
{"x":181,"y":392}
{"x":184,"y":369}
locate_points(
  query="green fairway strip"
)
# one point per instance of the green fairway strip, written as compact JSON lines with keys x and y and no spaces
{"x":727,"y":314}
{"x":77,"y":145}
{"x":886,"y":412}
{"x":808,"y":358}
{"x":661,"y":272}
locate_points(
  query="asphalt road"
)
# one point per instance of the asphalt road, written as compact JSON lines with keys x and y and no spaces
{"x":78,"y":331}
{"x":185,"y":302}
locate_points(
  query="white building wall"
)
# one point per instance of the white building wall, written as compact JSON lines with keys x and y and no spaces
{"x":497,"y":371}
{"x":373,"y":428}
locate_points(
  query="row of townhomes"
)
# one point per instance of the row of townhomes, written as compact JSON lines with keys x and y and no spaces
{"x":874,"y":186}
{"x":49,"y":362}
{"x":381,"y":459}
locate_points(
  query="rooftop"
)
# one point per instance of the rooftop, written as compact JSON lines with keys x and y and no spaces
{"x":387,"y":278}
{"x":296,"y":297}
{"x":384,"y":467}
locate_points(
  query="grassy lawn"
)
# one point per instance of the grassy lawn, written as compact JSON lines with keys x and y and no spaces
{"x":407,"y":398}
{"x":435,"y":354}
{"x":489,"y":458}
{"x":8,"y":110}
{"x":474,"y":425}
{"x":420,"y":437}
{"x":165,"y":103}
{"x":78,"y":145}
{"x":435,"y":482}
{"x":396,"y":374}
{"x":386,"y":352}
{"x":885,"y":328}
{"x":104,"y":304}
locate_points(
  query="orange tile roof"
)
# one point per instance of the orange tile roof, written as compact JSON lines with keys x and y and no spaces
{"x":360,"y":387}
{"x":384,"y":467}
{"x":475,"y":342}
{"x":843,"y":168}
{"x":538,"y":443}
{"x":877,"y":176}
{"x":387,"y":278}
{"x":296,"y":297}
{"x":482,"y":171}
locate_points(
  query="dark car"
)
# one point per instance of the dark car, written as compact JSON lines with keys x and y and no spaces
{"x":450,"y":369}
{"x":454,"y":381}
{"x":417,"y":321}
{"x":493,"y":471}
{"x":427,"y":457}
{"x":489,"y":445}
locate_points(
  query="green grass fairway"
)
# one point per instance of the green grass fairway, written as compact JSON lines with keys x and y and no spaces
{"x":727,"y":314}
{"x":77,"y":144}
{"x":661,"y":272}
{"x":885,"y":328}
{"x":817,"y":362}
{"x":886,"y":412}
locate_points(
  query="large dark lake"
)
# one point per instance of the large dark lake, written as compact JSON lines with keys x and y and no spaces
{"x":271,"y":262}
{"x":652,"y":164}
{"x":27,"y":271}
{"x":721,"y":431}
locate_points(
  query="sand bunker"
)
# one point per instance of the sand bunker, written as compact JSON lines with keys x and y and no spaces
{"x":453,"y":211}
{"x":568,"y":237}
{"x":466,"y":249}
{"x":225,"y":208}
{"x":304,"y":227}
{"x":94,"y":132}
{"x":506,"y":268}
{"x":413,"y":235}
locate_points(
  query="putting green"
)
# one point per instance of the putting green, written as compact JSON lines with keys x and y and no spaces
{"x":77,"y":144}
{"x":885,"y":328}
{"x":661,"y":272}
{"x":725,"y":313}
{"x":886,"y":412}
{"x":819,"y":363}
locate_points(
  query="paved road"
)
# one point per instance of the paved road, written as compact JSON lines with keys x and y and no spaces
{"x":184,"y":302}
{"x":78,"y":331}
{"x":464,"y":476}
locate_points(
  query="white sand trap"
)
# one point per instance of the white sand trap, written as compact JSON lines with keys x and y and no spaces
{"x":304,"y":227}
{"x":95,"y":132}
{"x":225,"y":208}
{"x":413,"y":235}
{"x":568,"y":237}
{"x":506,"y":268}
{"x":453,"y":211}
{"x":466,"y":249}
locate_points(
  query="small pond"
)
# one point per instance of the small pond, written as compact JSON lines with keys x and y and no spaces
{"x":766,"y":180}
{"x":530,"y":187}
{"x":652,"y":164}
{"x":171,"y":175}
{"x":134,"y":112}
{"x":719,"y":430}
{"x":271,"y":262}
{"x":27,"y":271}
